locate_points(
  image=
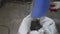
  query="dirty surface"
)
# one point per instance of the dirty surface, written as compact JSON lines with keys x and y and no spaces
{"x":11,"y":16}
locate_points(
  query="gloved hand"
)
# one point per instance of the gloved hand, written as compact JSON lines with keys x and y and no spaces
{"x":25,"y":25}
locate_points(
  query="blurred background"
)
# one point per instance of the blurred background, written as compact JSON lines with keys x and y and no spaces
{"x":12,"y":13}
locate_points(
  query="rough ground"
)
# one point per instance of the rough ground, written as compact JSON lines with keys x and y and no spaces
{"x":11,"y":16}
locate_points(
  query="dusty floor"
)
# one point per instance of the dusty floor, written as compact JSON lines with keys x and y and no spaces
{"x":12,"y":14}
